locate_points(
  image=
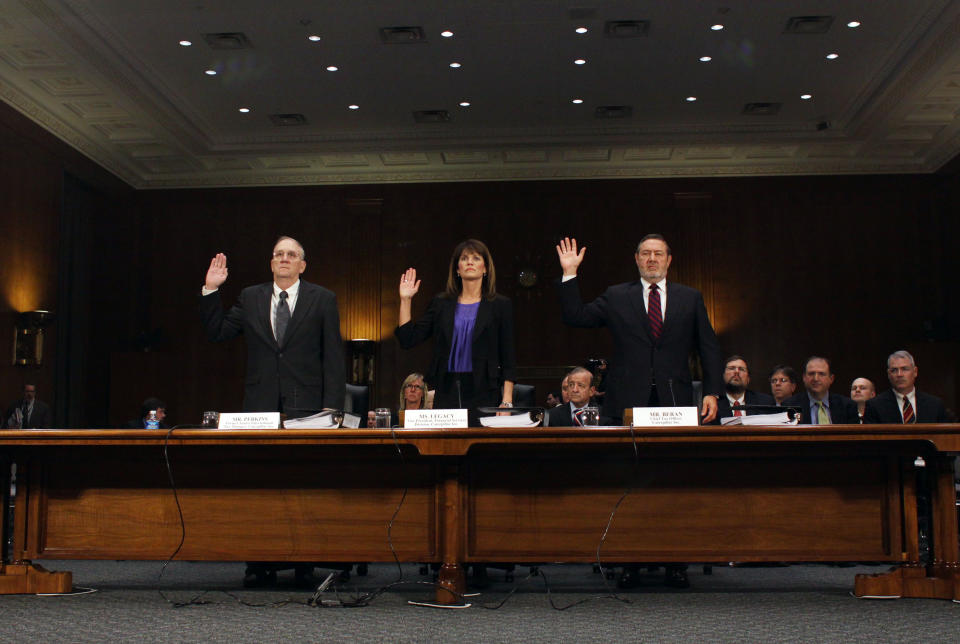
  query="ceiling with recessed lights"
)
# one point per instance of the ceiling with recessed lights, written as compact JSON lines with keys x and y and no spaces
{"x":188,"y":93}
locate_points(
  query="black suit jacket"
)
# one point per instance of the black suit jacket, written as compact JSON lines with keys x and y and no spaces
{"x":494,"y":352}
{"x":883,"y":409}
{"x":843,"y":410}
{"x":637,"y":358}
{"x":307,"y":371}
{"x":40,"y":418}
{"x":560,"y":416}
{"x":750,"y":397}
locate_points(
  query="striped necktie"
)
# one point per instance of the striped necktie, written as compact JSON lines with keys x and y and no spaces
{"x":908,"y":415}
{"x":654,"y":313}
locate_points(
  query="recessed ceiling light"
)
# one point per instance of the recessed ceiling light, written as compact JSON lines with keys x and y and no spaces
{"x":244,"y":110}
{"x":464,"y":103}
{"x":447,"y":34}
{"x":313,"y":38}
{"x":691,"y":99}
{"x":455,"y":65}
{"x":833,"y":56}
{"x":185,"y":43}
{"x":580,"y":61}
{"x":706,"y":59}
{"x":353,"y":107}
{"x":853,"y":24}
{"x":211,"y":72}
{"x":577,"y":101}
{"x":581,"y":30}
{"x":806,"y":97}
{"x":716,"y":27}
{"x":332,"y":68}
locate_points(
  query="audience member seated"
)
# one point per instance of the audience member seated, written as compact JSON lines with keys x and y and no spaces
{"x":783,"y":383}
{"x":819,"y":406}
{"x":553,"y":399}
{"x":413,"y":395}
{"x":150,"y":404}
{"x":862,"y":390}
{"x":29,"y":412}
{"x":579,"y":388}
{"x":564,"y":397}
{"x":903,"y":403}
{"x":736,"y":379}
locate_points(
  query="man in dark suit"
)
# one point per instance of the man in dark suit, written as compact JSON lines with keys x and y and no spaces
{"x":294,"y":351}
{"x":29,"y":412}
{"x":903,"y":403}
{"x":655,"y":326}
{"x":818,"y":405}
{"x":579,"y":387}
{"x":736,"y":379}
{"x":292,"y":330}
{"x":650,"y":364}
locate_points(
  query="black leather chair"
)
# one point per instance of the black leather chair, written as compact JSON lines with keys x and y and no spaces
{"x":357,"y":401}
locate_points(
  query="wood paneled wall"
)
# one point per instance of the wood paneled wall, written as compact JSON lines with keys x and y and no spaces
{"x":847,"y":267}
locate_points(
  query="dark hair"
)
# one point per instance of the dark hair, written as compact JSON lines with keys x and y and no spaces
{"x":455,"y":284}
{"x":151,"y":404}
{"x":811,"y":358}
{"x":654,"y":236}
{"x":736,"y":357}
{"x":785,"y":370}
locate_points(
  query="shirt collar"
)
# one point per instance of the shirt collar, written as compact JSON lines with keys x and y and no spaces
{"x":661,"y":285}
{"x":291,"y":291}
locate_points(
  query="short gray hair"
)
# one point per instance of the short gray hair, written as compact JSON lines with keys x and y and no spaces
{"x":303,"y":253}
{"x":902,"y":354}
{"x":578,"y":370}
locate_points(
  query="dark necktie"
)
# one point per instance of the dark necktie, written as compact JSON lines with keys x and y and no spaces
{"x":283,"y":317}
{"x":736,"y":408}
{"x":908,"y":415}
{"x":654,"y":314}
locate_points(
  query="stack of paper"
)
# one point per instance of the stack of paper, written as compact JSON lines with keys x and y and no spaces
{"x":323,"y":420}
{"x":516,"y":420}
{"x":758,"y":419}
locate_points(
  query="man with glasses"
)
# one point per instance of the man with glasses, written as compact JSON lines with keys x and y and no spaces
{"x":783,"y":383}
{"x":903,"y":403}
{"x":294,"y":352}
{"x":736,"y":379}
{"x":292,"y":329}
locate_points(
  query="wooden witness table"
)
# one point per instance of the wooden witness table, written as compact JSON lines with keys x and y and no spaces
{"x":697,"y":494}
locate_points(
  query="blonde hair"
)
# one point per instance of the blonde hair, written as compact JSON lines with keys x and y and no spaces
{"x":413,"y":377}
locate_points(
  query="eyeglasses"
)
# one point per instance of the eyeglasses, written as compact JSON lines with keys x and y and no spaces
{"x":413,"y":386}
{"x":292,"y":254}
{"x":779,"y":381}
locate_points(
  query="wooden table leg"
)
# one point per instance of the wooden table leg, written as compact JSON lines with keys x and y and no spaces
{"x":451,"y":580}
{"x":23,"y":577}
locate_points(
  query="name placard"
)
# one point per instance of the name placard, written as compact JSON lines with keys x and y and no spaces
{"x":665,"y":417}
{"x":435,"y":419}
{"x":254,"y":420}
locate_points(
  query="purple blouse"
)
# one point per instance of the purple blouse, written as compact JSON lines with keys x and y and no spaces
{"x":461,"y":353}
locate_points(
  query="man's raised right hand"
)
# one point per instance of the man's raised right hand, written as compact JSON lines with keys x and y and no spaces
{"x":217,"y":273}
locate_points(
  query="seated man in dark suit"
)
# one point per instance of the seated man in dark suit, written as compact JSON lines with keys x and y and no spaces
{"x":29,"y":412}
{"x":819,"y":406}
{"x":736,"y":379}
{"x":578,"y":385}
{"x":903,"y":403}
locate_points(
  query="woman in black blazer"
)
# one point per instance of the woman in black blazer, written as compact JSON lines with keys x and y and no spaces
{"x":472,"y":328}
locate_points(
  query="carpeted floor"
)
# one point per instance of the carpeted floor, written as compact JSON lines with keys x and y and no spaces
{"x":799,"y":603}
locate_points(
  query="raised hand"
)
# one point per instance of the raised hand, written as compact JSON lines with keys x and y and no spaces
{"x":409,"y":284}
{"x":217,"y":273}
{"x":569,"y":257}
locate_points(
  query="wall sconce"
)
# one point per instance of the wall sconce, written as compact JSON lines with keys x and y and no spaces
{"x":28,"y":337}
{"x":362,"y":352}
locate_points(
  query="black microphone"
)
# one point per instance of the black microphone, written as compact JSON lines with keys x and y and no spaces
{"x":672,"y":397}
{"x":459,"y":397}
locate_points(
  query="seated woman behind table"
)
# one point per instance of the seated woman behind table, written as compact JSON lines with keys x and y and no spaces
{"x":413,"y":395}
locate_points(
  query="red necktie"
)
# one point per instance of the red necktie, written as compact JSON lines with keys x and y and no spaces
{"x":654,"y":314}
{"x":908,"y":416}
{"x":736,"y":408}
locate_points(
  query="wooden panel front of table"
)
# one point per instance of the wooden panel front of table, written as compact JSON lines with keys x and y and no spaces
{"x":697,"y":494}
